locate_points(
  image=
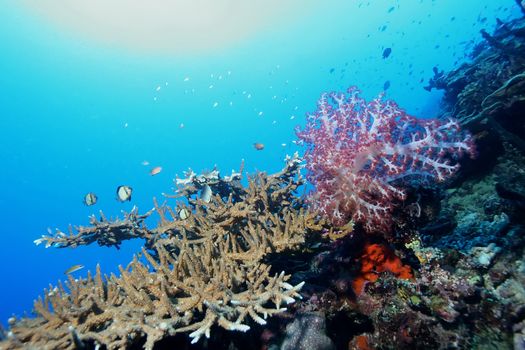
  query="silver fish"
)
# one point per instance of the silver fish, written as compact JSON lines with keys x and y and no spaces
{"x":124,"y":193}
{"x":184,"y":214}
{"x":206,"y":194}
{"x":90,"y":198}
{"x":73,"y":269}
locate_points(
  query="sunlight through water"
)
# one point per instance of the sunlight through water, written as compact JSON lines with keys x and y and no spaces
{"x":168,"y":26}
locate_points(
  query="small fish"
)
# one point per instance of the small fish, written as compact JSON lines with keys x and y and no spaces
{"x":206,"y":194}
{"x":90,"y":199}
{"x":145,"y":163}
{"x":184,"y":214}
{"x":73,"y":269}
{"x":386,"y":85}
{"x":124,"y":193}
{"x":387,"y":52}
{"x":155,"y":170}
{"x":258,"y":146}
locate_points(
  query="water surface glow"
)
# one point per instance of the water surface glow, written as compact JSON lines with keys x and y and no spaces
{"x":174,"y":26}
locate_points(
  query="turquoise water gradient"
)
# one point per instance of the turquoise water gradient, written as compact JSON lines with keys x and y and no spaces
{"x":65,"y":101}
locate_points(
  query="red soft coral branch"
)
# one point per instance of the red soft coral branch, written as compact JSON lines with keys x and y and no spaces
{"x":355,"y":150}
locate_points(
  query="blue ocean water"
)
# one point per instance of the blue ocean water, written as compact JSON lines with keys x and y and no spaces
{"x":80,"y":114}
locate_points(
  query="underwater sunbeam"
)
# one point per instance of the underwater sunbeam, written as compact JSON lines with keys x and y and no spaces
{"x":167,"y":26}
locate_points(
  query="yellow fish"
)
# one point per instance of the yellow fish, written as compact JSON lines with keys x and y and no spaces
{"x":73,"y":269}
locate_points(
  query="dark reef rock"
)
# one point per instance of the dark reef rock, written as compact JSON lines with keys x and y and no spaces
{"x":307,"y":332}
{"x":488,"y":94}
{"x":472,"y":282}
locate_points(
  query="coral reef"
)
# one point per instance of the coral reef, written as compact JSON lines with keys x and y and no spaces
{"x":202,"y":271}
{"x":464,"y":244}
{"x":485,"y":93}
{"x":448,"y":274}
{"x":467,"y":290}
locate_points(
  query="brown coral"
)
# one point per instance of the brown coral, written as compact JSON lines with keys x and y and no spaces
{"x":196,"y":272}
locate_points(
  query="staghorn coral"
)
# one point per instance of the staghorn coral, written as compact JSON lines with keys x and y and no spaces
{"x":105,"y":232}
{"x":195,"y":273}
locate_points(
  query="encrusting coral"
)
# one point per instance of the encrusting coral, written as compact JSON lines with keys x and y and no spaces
{"x":197,"y":270}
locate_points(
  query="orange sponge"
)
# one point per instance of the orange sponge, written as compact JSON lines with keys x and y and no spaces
{"x":378,"y":258}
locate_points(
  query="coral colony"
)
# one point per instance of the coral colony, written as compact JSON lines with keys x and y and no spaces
{"x":357,"y":152}
{"x":201,"y":269}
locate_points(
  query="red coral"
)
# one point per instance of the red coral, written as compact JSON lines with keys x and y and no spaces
{"x":376,"y":259}
{"x":356,"y":150}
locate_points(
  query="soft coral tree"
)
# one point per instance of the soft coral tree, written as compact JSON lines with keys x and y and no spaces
{"x":357,"y":152}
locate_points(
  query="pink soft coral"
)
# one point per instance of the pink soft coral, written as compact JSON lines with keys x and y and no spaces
{"x":357,"y":152}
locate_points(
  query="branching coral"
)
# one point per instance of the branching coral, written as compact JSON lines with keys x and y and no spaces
{"x":202,"y":271}
{"x":103,"y":231}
